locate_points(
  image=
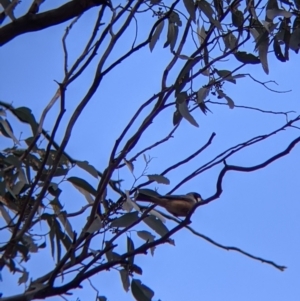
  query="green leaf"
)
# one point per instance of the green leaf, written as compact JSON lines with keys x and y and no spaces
{"x":50,"y":219}
{"x":175,"y":18}
{"x":237,"y":18}
{"x":88,"y":167}
{"x":171,"y":36}
{"x":24,"y":277}
{"x":206,"y":8}
{"x":174,"y":39}
{"x":82,"y":184}
{"x":159,"y":179}
{"x":129,"y":165}
{"x":13,"y":160}
{"x":226,"y":75}
{"x":95,"y":226}
{"x":176,"y":118}
{"x":140,"y":291}
{"x":64,"y":238}
{"x":53,"y":189}
{"x":262,"y":44}
{"x":184,"y":74}
{"x":125,"y":279}
{"x":201,"y":33}
{"x":58,"y":246}
{"x":230,"y":41}
{"x":295,"y":40}
{"x":272,"y":4}
{"x":202,"y":94}
{"x":136,"y":269}
{"x":18,"y":187}
{"x":276,"y":12}
{"x":112,"y":256}
{"x":156,"y":224}
{"x":66,"y":224}
{"x":146,"y":235}
{"x":157,"y":32}
{"x":229,"y":100}
{"x":190,"y":7}
{"x":7,"y":131}
{"x":2,"y":128}
{"x":277,"y":50}
{"x":126,"y":220}
{"x":25,"y":115}
{"x":130,"y":248}
{"x":246,"y":58}
{"x":182,"y":107}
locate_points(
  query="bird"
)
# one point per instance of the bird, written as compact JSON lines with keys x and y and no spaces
{"x":178,"y":205}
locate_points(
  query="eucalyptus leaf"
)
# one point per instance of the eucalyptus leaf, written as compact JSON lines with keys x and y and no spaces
{"x":182,"y":107}
{"x":7,"y":131}
{"x":125,"y":279}
{"x":226,"y":75}
{"x":156,"y":224}
{"x":230,"y":41}
{"x":175,"y":18}
{"x":295,"y":40}
{"x":157,"y":32}
{"x":246,"y":58}
{"x":88,"y":167}
{"x":176,"y":118}
{"x":136,"y":269}
{"x":174,"y":38}
{"x":190,"y":7}
{"x":130,"y":165}
{"x":140,"y":291}
{"x":206,"y":8}
{"x":277,"y":50}
{"x":237,"y":18}
{"x":24,"y":277}
{"x":159,"y":179}
{"x":25,"y":115}
{"x":130,"y":248}
{"x":276,"y":12}
{"x":95,"y":226}
{"x":82,"y":184}
{"x":202,"y":94}
{"x":201,"y":34}
{"x":18,"y":187}
{"x":126,"y":220}
{"x":146,"y":235}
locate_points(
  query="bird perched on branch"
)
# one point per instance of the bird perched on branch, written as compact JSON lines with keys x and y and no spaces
{"x":178,"y":205}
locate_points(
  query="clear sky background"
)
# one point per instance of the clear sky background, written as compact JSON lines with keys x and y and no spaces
{"x":257,"y":212}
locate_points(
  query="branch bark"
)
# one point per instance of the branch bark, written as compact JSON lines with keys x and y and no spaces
{"x":35,"y":22}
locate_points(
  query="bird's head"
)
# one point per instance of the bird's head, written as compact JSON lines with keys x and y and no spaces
{"x":196,"y":196}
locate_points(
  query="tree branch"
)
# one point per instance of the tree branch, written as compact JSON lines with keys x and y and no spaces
{"x":35,"y":22}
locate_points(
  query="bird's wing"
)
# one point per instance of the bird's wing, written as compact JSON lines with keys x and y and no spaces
{"x":183,"y":198}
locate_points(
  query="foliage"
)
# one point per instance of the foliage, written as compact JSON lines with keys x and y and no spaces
{"x":33,"y":170}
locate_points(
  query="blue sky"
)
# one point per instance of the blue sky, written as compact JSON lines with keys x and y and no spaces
{"x":257,"y":212}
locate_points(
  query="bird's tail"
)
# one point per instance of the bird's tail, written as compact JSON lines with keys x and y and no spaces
{"x":142,"y":197}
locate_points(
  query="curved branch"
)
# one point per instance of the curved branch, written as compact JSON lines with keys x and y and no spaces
{"x":227,"y":248}
{"x":35,"y":22}
{"x":227,"y":168}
